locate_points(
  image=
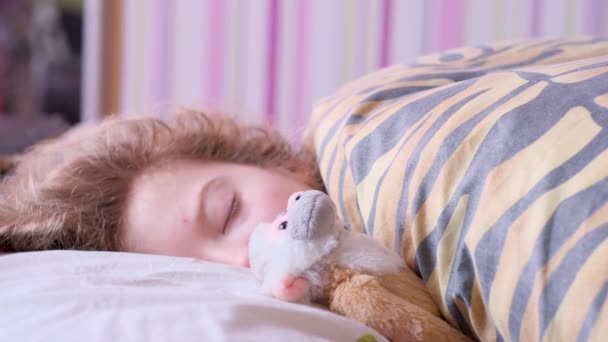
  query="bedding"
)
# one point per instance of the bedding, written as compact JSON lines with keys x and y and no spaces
{"x":486,"y":168}
{"x":110,"y":296}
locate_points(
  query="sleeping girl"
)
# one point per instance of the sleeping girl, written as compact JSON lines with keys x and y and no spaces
{"x":192,"y":187}
{"x":485,"y":167}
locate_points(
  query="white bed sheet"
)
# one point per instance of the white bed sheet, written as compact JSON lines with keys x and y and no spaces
{"x":113,"y":297}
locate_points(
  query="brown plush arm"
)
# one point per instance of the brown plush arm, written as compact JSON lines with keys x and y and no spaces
{"x":363,"y":298}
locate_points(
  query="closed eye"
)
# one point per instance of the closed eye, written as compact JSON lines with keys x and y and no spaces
{"x":234,"y":207}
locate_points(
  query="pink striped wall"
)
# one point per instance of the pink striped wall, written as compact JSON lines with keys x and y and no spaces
{"x":268,"y":61}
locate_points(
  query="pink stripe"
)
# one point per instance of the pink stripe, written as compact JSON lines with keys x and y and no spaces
{"x":451,"y":24}
{"x":272,"y":64}
{"x":594,"y":10}
{"x":385,"y":38}
{"x":161,"y":63}
{"x":536,"y":18}
{"x":301,"y":48}
{"x":215,"y":48}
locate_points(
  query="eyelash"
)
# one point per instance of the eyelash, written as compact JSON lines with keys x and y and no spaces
{"x":234,"y":206}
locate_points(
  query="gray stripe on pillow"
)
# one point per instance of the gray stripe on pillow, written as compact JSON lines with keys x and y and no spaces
{"x":565,"y":220}
{"x":371,"y":148}
{"x":593,"y":314}
{"x":560,"y":281}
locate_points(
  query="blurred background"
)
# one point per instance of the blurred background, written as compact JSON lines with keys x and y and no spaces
{"x":267,"y":61}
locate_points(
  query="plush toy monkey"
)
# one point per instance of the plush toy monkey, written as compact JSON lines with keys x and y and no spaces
{"x":306,"y":254}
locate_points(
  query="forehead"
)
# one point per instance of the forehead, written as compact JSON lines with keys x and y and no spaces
{"x":158,"y":193}
{"x":171,"y":174}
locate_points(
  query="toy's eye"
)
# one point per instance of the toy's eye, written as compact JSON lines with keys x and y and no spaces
{"x":283,"y":225}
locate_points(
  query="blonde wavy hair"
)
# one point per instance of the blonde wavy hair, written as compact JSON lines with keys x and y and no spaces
{"x":71,"y":192}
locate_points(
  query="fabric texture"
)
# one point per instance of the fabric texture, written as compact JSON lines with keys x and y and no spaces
{"x":486,"y":168}
{"x":110,"y":296}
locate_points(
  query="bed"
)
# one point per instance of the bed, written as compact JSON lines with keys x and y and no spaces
{"x":101,"y":296}
{"x":485,"y":167}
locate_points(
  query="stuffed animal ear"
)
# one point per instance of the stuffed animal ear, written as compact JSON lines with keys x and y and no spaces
{"x":290,"y":288}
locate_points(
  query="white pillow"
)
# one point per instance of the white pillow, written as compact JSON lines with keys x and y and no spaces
{"x":109,"y":296}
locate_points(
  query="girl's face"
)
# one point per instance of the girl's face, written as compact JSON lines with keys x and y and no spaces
{"x":204,"y":210}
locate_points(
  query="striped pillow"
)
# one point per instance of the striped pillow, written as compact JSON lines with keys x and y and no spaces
{"x":486,"y":168}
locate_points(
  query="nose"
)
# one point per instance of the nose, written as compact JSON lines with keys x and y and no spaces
{"x":294,"y":197}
